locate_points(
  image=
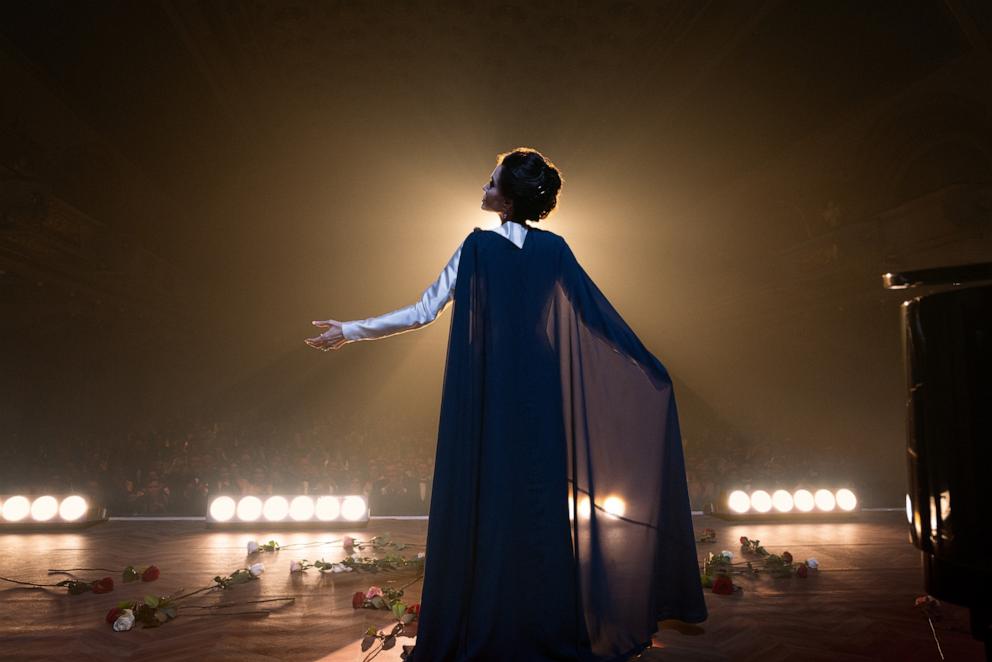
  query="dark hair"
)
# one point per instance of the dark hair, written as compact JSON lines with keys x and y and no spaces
{"x":530,"y":181}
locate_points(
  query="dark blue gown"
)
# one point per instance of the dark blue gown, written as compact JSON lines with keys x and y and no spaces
{"x":550,"y":400}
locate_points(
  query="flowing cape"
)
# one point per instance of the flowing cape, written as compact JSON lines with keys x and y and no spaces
{"x":559,"y":522}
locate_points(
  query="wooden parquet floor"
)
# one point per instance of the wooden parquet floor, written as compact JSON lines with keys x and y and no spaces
{"x":859,"y":606}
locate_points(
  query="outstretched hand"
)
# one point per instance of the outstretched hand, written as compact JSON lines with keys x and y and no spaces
{"x":333,"y":338}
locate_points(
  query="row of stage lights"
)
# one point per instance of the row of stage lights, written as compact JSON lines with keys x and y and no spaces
{"x":299,"y":509}
{"x":20,"y":509}
{"x":801,"y":501}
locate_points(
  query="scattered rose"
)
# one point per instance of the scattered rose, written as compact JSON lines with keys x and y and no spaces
{"x":113,"y":614}
{"x":150,"y":574}
{"x":348,"y":542}
{"x":813,"y":564}
{"x":357,"y":600}
{"x":105,"y":585}
{"x":727,"y":554}
{"x":787,"y":557}
{"x":802,"y":571}
{"x":125,"y":621}
{"x":414,"y":609}
{"x":252,"y":546}
{"x":295,"y":566}
{"x":372,"y":592}
{"x":723,"y":585}
{"x":256,"y":569}
{"x":744,"y":540}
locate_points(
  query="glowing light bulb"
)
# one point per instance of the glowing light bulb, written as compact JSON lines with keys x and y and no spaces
{"x":825,"y":500}
{"x":73,"y":508}
{"x":761,"y":501}
{"x":222,"y":509}
{"x":249,"y":509}
{"x":301,"y":509}
{"x":44,"y":508}
{"x":739,"y":502}
{"x":276,"y":509}
{"x":804,"y":501}
{"x":782,"y":501}
{"x":846,"y":500}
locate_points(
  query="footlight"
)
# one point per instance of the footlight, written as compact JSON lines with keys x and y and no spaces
{"x":288,"y":511}
{"x":48,"y":511}
{"x":780,"y":503}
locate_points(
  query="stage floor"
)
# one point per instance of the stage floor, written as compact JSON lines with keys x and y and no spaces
{"x":859,"y":606}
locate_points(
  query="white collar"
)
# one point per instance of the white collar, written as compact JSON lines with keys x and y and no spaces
{"x":515,"y":232}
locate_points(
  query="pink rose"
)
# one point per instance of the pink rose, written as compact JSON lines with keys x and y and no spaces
{"x":372,"y":592}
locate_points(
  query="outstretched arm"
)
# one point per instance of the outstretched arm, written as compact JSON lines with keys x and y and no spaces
{"x":423,"y":312}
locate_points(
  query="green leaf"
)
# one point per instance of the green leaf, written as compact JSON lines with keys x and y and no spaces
{"x":398,"y":609}
{"x":130,"y":574}
{"x":367,"y":642}
{"x":151,"y":601}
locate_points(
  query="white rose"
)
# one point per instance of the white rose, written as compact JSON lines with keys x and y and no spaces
{"x":256,"y":569}
{"x":295,"y":566}
{"x":252,"y":546}
{"x":420,"y":555}
{"x":813,"y":563}
{"x":727,"y":554}
{"x":337,"y":567}
{"x":125,"y":621}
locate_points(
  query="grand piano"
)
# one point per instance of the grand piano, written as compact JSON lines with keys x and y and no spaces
{"x":947,"y":345}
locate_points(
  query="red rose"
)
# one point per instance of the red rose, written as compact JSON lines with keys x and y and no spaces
{"x":744,"y":540}
{"x":150,"y":574}
{"x":105,"y":585}
{"x":787,"y":557}
{"x":722,"y":585}
{"x":113,"y":614}
{"x":357,"y":600}
{"x":414,"y":609}
{"x":802,"y":570}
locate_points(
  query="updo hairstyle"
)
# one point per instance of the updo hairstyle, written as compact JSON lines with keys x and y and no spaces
{"x":531,"y":182}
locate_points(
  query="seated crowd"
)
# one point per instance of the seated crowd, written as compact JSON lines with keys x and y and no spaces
{"x":175,"y":472}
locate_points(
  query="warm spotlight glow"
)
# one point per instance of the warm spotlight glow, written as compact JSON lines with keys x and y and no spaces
{"x":909,"y":510}
{"x":614,"y":505}
{"x":328,"y":508}
{"x":249,"y":509}
{"x":73,"y":508}
{"x":276,"y":509}
{"x":301,"y":509}
{"x":825,"y":500}
{"x":44,"y":508}
{"x":782,"y":501}
{"x":585,"y":508}
{"x":761,"y":501}
{"x":222,"y":509}
{"x":846,"y":500}
{"x":739,"y":502}
{"x":353,"y":508}
{"x":804,"y":501}
{"x":16,"y":508}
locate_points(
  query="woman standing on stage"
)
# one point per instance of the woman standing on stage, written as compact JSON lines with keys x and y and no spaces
{"x":559,"y":524}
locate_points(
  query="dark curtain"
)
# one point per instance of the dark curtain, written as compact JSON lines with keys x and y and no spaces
{"x":559,"y":524}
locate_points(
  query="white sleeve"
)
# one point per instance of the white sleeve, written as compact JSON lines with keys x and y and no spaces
{"x":423,"y":312}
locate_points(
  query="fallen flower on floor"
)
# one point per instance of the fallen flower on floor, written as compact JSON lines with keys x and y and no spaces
{"x":129,"y":574}
{"x":709,"y":535}
{"x":723,"y":585}
{"x":254,"y":547}
{"x":749,"y":546}
{"x":124,"y":620}
{"x":77,"y":587}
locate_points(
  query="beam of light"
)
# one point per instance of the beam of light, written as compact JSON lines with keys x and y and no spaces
{"x":739,"y":502}
{"x":804,"y":501}
{"x":353,"y":508}
{"x":761,"y":501}
{"x":16,"y":508}
{"x":328,"y":508}
{"x":249,"y":509}
{"x":44,"y":508}
{"x":222,"y":509}
{"x":782,"y":501}
{"x":73,"y":508}
{"x":846,"y":500}
{"x":301,"y":508}
{"x":825,"y":500}
{"x":585,"y":507}
{"x":276,"y":509}
{"x":909,"y":510}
